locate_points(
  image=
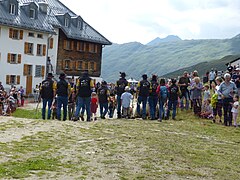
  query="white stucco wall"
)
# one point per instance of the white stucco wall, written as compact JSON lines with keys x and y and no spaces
{"x":8,"y":45}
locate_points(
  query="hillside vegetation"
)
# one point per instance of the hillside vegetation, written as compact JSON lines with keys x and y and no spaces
{"x":135,"y":58}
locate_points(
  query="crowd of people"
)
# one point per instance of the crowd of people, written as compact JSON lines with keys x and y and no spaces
{"x":156,"y":99}
{"x":214,"y":97}
{"x":9,"y":101}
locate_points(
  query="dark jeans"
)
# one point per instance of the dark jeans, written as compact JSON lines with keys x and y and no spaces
{"x":161,"y":108}
{"x":62,"y":101}
{"x":119,"y":104}
{"x":227,"y":107}
{"x":185,"y":94}
{"x":111,"y":112}
{"x":172,"y":104}
{"x":45,"y":102}
{"x":81,"y":103}
{"x":71,"y":108}
{"x":105,"y":106}
{"x":142,"y":100}
{"x":153,"y":100}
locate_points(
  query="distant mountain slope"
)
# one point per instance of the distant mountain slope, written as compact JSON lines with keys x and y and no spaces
{"x":135,"y":58}
{"x":170,"y":38}
{"x":203,"y":67}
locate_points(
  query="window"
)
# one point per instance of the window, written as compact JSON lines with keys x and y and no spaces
{"x":12,"y":9}
{"x":14,"y":58}
{"x":12,"y":79}
{"x":80,"y":24}
{"x":79,"y":65}
{"x":51,"y":43}
{"x":31,"y":34}
{"x":66,"y":23}
{"x":86,"y":65}
{"x":28,"y":49}
{"x":39,"y":71}
{"x":67,"y":64}
{"x":68,"y":45}
{"x":40,"y":36}
{"x":39,"y":49}
{"x":32,"y":13}
{"x":80,"y":46}
{"x":15,"y":33}
{"x":27,"y":71}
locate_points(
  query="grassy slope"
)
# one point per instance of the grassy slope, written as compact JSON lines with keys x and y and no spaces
{"x":124,"y":149}
{"x":136,"y":59}
{"x":203,"y":67}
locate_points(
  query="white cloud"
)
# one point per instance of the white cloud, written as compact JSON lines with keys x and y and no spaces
{"x":141,"y":20}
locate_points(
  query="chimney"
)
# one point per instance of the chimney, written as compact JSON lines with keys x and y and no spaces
{"x":43,"y":6}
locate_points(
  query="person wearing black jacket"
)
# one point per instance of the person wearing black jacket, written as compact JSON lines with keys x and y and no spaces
{"x":84,"y":90}
{"x":103,"y":95}
{"x":153,"y":97}
{"x":120,"y":89}
{"x":47,"y":93}
{"x":63,"y":90}
{"x":173,"y":99}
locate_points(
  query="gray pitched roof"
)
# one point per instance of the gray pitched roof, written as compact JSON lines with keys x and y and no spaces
{"x":46,"y":23}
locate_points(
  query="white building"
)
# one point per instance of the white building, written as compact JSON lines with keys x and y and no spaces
{"x":30,"y":35}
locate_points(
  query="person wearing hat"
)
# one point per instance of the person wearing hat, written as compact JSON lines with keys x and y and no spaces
{"x":84,"y":86}
{"x":47,"y":93}
{"x":153,"y":97}
{"x":143,"y":93}
{"x":63,"y":91}
{"x":103,"y":95}
{"x":120,"y":89}
{"x":184,"y":83}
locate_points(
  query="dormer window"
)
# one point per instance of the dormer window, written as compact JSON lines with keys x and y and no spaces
{"x":12,"y":9}
{"x":66,"y":22}
{"x":80,"y":24}
{"x":32,"y":14}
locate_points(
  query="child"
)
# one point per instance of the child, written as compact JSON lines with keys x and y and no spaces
{"x":54,"y":109}
{"x":206,"y":93}
{"x":126,"y":98}
{"x":112,"y":105}
{"x":71,"y":104}
{"x":235,"y":109}
{"x":94,"y":106}
{"x":207,"y":111}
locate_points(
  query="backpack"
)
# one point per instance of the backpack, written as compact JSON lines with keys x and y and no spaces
{"x":163,"y":92}
{"x":47,"y":89}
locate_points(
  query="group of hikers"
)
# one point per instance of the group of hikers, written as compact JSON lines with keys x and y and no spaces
{"x":154,"y":98}
{"x":9,"y":101}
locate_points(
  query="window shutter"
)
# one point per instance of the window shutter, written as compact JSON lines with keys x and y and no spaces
{"x":78,"y":46}
{"x":7,"y":79}
{"x":43,"y":71}
{"x":72,"y":45}
{"x":25,"y":69}
{"x":19,"y":58}
{"x":26,"y":48}
{"x":10,"y":33}
{"x":9,"y":58}
{"x":83,"y":65}
{"x":51,"y":43}
{"x":95,"y":66}
{"x":63,"y":64}
{"x":18,"y":79}
{"x":44,"y":50}
{"x":65,"y":44}
{"x":21,"y":34}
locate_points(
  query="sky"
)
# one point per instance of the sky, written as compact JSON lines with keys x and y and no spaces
{"x":122,"y":21}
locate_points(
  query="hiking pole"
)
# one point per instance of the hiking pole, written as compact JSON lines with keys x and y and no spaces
{"x":39,"y":100}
